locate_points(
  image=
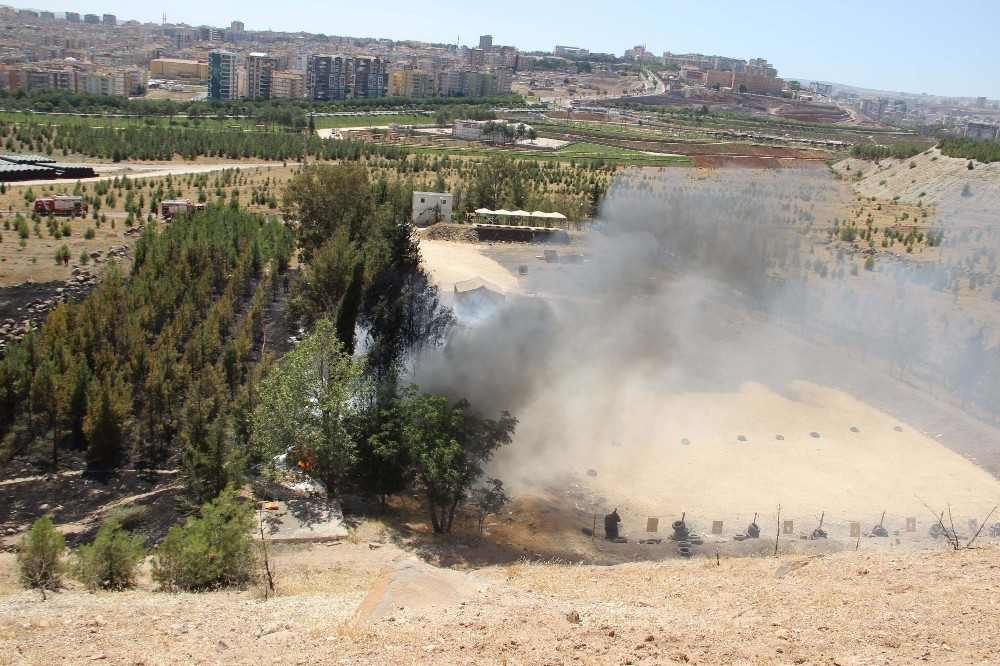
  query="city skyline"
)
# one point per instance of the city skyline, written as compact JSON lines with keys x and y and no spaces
{"x":862,"y":45}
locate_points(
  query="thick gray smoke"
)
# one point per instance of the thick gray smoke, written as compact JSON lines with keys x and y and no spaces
{"x":700,"y":282}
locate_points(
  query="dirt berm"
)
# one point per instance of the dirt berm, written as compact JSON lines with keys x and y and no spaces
{"x":411,"y":583}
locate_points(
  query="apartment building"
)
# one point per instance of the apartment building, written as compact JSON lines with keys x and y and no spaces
{"x":331,"y":77}
{"x":755,"y":84}
{"x":413,"y":83}
{"x":177,"y":68}
{"x":574,"y":52}
{"x":260,"y":70}
{"x":287,"y":85}
{"x":223,"y":75}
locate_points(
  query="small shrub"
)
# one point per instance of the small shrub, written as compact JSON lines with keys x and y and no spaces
{"x":213,"y":551}
{"x":89,"y":233}
{"x":40,"y":557}
{"x":130,"y":517}
{"x":112,"y":561}
{"x":489,"y":500}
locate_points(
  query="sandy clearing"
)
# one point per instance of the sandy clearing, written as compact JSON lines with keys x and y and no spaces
{"x":449,"y":263}
{"x":851,"y":476}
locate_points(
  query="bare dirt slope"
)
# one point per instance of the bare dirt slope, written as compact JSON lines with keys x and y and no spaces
{"x":933,"y":179}
{"x":847,"y":608}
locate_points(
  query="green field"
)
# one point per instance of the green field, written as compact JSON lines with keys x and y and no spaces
{"x":373,"y":120}
{"x":584,"y":150}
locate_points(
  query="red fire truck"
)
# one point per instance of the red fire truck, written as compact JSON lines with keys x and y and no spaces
{"x":61,"y":204}
{"x":171,"y":207}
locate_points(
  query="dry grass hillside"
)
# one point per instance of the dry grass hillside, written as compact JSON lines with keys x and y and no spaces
{"x":933,"y":179}
{"x":846,"y":608}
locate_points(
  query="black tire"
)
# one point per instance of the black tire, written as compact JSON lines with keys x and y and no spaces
{"x":753,"y":531}
{"x":684,"y":551}
{"x":936,"y":530}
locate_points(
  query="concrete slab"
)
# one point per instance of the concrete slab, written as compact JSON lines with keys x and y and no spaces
{"x":303,"y":520}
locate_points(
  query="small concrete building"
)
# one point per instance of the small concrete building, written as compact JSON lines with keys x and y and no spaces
{"x":431,"y":207}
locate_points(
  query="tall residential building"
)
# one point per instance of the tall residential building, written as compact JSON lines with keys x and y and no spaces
{"x":223,"y":75}
{"x":109,"y":20}
{"x":260,"y":71}
{"x":346,"y":77}
{"x":287,"y":85}
{"x":486,"y":43}
{"x":73,"y":17}
{"x":237,"y":26}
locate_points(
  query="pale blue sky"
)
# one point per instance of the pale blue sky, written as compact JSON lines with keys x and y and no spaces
{"x":944,"y":48}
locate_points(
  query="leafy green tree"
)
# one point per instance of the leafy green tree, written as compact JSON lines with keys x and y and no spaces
{"x":489,"y":500}
{"x":401,"y":309}
{"x":496,"y":183}
{"x":112,"y":561}
{"x":212,"y":551}
{"x":449,"y":447}
{"x":40,"y":557}
{"x":350,"y":307}
{"x":305,"y":405}
{"x":320,"y":285}
{"x":382,"y":463}
{"x":325,"y":200}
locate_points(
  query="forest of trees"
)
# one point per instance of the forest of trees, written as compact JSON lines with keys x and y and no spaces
{"x":62,"y":101}
{"x":876,"y":152}
{"x":168,"y":365}
{"x":971,"y":149}
{"x":149,"y":363}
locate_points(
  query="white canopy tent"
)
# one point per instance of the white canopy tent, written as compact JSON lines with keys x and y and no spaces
{"x":534,"y":215}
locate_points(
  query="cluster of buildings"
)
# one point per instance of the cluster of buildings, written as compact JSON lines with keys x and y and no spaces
{"x":101,"y":55}
{"x":977,"y":118}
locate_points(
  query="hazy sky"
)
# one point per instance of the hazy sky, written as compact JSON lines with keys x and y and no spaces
{"x":945,"y":48}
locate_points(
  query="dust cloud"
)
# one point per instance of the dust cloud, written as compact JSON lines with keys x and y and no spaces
{"x":710,"y":309}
